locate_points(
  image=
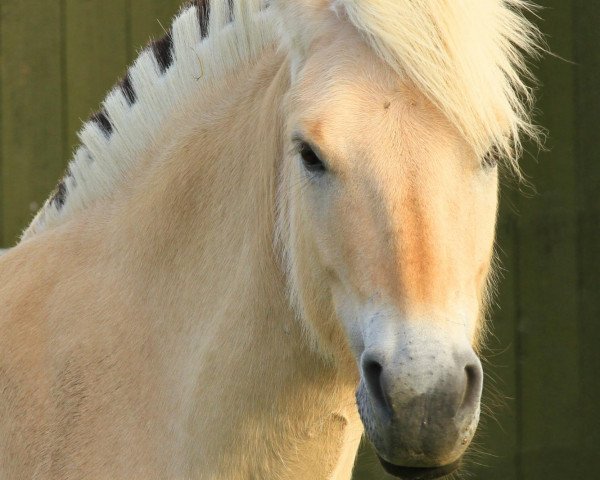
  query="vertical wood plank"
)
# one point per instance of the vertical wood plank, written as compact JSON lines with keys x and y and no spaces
{"x":2,"y":203}
{"x":495,"y":452}
{"x":96,"y":56}
{"x":548,"y":277}
{"x":32,"y":94}
{"x":587,"y":118}
{"x":150,"y":19}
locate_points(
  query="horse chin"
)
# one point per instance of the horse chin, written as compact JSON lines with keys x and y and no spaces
{"x":418,"y":473}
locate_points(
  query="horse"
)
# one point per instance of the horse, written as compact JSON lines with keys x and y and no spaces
{"x":276,"y":236}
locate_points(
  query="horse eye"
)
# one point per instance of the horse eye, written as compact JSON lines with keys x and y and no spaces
{"x":490,"y":159}
{"x":310,"y":159}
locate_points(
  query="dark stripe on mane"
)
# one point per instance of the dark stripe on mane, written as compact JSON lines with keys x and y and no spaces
{"x":163,"y":51}
{"x":58,"y":199}
{"x":203,"y":11}
{"x":127,"y":88}
{"x":231,"y":10}
{"x":103,"y":122}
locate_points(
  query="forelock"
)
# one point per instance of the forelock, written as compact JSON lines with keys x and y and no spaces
{"x":469,"y":57}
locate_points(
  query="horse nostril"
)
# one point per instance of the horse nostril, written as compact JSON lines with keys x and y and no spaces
{"x":372,"y":375}
{"x":472,"y":393}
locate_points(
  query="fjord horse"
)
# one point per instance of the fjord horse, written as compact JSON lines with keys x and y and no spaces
{"x":276,"y":233}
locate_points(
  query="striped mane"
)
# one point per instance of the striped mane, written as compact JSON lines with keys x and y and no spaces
{"x":207,"y":39}
{"x":467,"y":56}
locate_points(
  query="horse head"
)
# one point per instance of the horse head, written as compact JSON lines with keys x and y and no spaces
{"x":389,"y":212}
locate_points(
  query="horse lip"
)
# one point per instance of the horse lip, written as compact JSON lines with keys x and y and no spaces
{"x":418,"y":473}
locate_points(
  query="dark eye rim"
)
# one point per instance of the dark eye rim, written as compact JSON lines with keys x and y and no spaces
{"x":311,"y":160}
{"x":490,"y":159}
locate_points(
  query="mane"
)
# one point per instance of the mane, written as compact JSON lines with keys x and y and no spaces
{"x":207,"y":39}
{"x":467,"y":56}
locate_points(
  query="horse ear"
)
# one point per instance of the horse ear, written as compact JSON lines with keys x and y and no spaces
{"x":300,"y":22}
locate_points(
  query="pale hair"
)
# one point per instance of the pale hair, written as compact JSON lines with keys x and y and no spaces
{"x":467,"y":56}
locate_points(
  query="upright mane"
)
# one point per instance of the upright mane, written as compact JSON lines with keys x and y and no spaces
{"x":206,"y":40}
{"x":467,"y":56}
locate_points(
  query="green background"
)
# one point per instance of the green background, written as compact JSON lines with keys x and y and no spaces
{"x":541,"y":421}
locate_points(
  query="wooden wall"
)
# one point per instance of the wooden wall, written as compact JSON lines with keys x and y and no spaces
{"x":59,"y":57}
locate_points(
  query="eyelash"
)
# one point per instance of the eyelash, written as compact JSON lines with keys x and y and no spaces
{"x":490,"y":159}
{"x":310,"y":160}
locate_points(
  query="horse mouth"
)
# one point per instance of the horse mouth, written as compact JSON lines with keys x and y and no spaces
{"x":417,"y":473}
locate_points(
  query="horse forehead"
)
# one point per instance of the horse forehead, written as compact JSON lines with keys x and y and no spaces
{"x":342,"y":64}
{"x":358,"y":106}
{"x":347,"y":98}
{"x":384,"y":128}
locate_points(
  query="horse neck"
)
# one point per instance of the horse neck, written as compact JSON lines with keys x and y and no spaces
{"x":201,"y":226}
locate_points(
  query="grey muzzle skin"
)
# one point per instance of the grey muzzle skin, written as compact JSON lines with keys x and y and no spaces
{"x":420,"y":406}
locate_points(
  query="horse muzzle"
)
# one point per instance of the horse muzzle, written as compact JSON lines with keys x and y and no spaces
{"x":420,"y":403}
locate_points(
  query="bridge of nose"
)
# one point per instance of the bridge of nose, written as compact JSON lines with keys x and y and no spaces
{"x":424,"y":255}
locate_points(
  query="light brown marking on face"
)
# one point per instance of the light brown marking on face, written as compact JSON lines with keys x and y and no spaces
{"x":415,"y":257}
{"x":406,"y":216}
{"x":315,"y":131}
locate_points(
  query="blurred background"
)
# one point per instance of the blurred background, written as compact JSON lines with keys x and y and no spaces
{"x":541,"y":421}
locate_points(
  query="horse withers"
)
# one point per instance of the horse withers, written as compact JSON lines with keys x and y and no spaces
{"x":277,"y":233}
